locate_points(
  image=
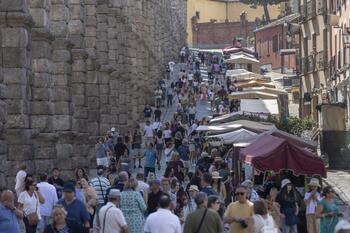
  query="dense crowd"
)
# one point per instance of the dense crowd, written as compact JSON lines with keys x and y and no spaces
{"x":196,"y":193}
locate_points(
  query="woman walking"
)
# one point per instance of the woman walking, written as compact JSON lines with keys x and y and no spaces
{"x":133,"y":207}
{"x":29,"y":202}
{"x":328,"y":211}
{"x":159,"y":142}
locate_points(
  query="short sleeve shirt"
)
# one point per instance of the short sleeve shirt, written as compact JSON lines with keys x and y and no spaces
{"x":30,"y":203}
{"x":76,"y":211}
{"x":148,"y":131}
{"x":8,"y":220}
{"x":311,"y":207}
{"x":114,"y":218}
{"x":211,"y":223}
{"x":239,"y":210}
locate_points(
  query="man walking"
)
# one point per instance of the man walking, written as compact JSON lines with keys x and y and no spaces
{"x":163,"y":220}
{"x":76,"y":209}
{"x":100,"y":184}
{"x":9,"y":214}
{"x":110,"y":218}
{"x":48,"y":191}
{"x":206,"y":185}
{"x":238,"y":213}
{"x":203,"y":220}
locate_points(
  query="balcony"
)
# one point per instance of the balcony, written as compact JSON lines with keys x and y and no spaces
{"x":310,"y":60}
{"x":321,"y":7}
{"x":321,"y":60}
{"x":303,"y":15}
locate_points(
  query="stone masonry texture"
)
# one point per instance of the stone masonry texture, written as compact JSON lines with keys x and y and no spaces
{"x":72,"y":69}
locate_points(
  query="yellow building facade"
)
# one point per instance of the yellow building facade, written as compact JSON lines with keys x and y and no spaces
{"x":221,"y":11}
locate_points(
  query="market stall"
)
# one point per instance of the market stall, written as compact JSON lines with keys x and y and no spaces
{"x":239,"y":136}
{"x":270,"y":153}
{"x":251,"y":95}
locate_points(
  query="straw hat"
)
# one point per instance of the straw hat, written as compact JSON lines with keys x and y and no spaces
{"x":314,"y":182}
{"x":215,"y":175}
{"x":194,"y":187}
{"x":285,"y":182}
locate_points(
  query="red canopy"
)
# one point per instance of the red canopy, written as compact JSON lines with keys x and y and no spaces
{"x":270,"y":153}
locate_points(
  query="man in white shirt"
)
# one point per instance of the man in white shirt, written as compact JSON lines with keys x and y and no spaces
{"x":163,"y":221}
{"x":311,"y":200}
{"x":148,"y":132}
{"x":110,"y":219}
{"x":48,"y":191}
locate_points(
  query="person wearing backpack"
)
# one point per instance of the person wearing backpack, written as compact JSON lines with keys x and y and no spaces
{"x":261,"y":221}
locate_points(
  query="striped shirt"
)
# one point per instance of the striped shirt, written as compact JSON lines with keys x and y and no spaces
{"x":100,"y":184}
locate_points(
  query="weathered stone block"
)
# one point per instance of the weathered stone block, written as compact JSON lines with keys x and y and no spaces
{"x":64,"y":150}
{"x":93,"y":102}
{"x":20,"y":152}
{"x":61,"y":56}
{"x":78,"y":77}
{"x":40,"y":17}
{"x":75,"y":27}
{"x":42,"y":80}
{"x":42,"y":65}
{"x":90,"y":9}
{"x":39,"y":122}
{"x":40,"y":94}
{"x":61,"y":93}
{"x":61,"y":122}
{"x":93,"y":128}
{"x":79,"y":66}
{"x":79,"y":125}
{"x":60,"y":80}
{"x":78,"y":100}
{"x":101,"y":46}
{"x":15,"y":76}
{"x":104,"y":89}
{"x":41,"y":108}
{"x":78,"y":89}
{"x":13,"y":91}
{"x":41,"y":49}
{"x":77,"y":41}
{"x":76,"y":12}
{"x":59,"y":28}
{"x":91,"y":20}
{"x":90,"y":31}
{"x":92,"y":90}
{"x":91,"y":77}
{"x":17,"y":121}
{"x":62,"y":108}
{"x":16,"y":58}
{"x":80,"y":113}
{"x":40,"y":4}
{"x":14,"y":37}
{"x":15,"y":5}
{"x":16,"y":106}
{"x":61,"y":68}
{"x":93,"y":115}
{"x":90,"y":42}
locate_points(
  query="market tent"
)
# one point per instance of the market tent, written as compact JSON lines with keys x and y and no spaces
{"x":242,"y":59}
{"x":251,"y":95}
{"x":298,"y":141}
{"x":238,"y":74}
{"x":267,"y":106}
{"x":254,"y":83}
{"x":270,"y":153}
{"x":267,"y":90}
{"x":224,"y":118}
{"x":234,"y":125}
{"x":238,"y":136}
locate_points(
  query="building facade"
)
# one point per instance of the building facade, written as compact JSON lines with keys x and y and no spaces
{"x":217,"y":15}
{"x":272,"y":39}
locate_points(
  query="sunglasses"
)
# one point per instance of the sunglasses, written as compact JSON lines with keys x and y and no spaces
{"x":240,"y":193}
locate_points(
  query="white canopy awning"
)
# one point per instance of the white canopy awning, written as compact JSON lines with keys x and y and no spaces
{"x":234,"y":125}
{"x":260,"y":106}
{"x":238,"y":136}
{"x":242,"y":59}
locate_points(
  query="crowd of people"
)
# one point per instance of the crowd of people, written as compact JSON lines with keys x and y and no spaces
{"x":196,"y":193}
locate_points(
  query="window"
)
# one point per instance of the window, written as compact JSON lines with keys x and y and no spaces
{"x":259,"y":47}
{"x":197,"y":15}
{"x":268,"y":46}
{"x":275,"y":43}
{"x":314,"y":43}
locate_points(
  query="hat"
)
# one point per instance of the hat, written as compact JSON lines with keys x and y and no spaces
{"x":194,"y":187}
{"x":215,"y":175}
{"x":114,"y":193}
{"x":184,"y":141}
{"x":69,"y":188}
{"x":314,"y":182}
{"x":205,"y":154}
{"x":342,"y":225}
{"x":285,"y":182}
{"x":247,"y":183}
{"x":113,"y":129}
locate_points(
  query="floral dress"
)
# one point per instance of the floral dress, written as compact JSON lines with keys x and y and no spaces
{"x":133,"y":206}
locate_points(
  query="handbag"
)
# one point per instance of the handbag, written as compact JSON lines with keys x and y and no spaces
{"x":33,"y":218}
{"x":202,"y":220}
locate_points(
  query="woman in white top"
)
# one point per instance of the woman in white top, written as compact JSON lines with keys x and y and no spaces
{"x":262,"y":221}
{"x":21,"y":175}
{"x":29,"y":201}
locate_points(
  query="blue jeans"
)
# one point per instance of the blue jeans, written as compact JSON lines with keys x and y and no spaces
{"x":29,"y":228}
{"x":148,"y":170}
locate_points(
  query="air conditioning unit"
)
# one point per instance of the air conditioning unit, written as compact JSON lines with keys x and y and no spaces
{"x":332,"y":20}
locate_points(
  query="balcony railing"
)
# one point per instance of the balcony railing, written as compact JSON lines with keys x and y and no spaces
{"x":321,"y":60}
{"x":321,"y":7}
{"x":310,"y":63}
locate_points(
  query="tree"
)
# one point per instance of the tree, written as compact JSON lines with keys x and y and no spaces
{"x":263,"y":3}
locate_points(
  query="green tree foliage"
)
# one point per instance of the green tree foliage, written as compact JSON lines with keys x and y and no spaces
{"x":263,"y":3}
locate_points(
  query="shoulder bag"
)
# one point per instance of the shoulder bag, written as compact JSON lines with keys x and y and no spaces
{"x":104,"y":219}
{"x":33,"y":217}
{"x":202,"y":220}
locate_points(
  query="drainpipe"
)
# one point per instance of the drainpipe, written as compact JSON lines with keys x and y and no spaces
{"x":298,"y":73}
{"x":282,"y":56}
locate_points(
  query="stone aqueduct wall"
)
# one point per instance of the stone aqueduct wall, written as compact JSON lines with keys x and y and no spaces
{"x":71,"y":69}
